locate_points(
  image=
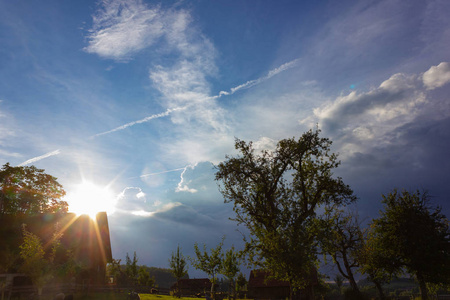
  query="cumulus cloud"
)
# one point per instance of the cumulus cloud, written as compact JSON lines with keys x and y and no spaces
{"x":362,"y":120}
{"x":437,"y":76}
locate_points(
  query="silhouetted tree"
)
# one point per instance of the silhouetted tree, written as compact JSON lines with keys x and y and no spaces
{"x":276,"y":194}
{"x":412,"y":235}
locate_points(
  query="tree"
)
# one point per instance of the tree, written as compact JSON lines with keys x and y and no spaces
{"x":241,"y":282}
{"x":375,"y":263}
{"x":343,"y":240}
{"x":211,"y":264}
{"x":178,"y":267}
{"x":34,"y":263}
{"x":414,"y":236}
{"x":28,"y":190}
{"x":276,"y":195}
{"x":230,"y":268}
{"x":339,"y":280}
{"x":144,"y":278}
{"x":131,"y":269}
{"x":57,"y":264}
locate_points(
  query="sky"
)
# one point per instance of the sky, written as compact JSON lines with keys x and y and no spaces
{"x":143,"y":98}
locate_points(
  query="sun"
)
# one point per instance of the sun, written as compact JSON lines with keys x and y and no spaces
{"x":87,"y":198}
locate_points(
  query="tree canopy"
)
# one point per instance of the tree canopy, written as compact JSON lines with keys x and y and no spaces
{"x":276,"y":194}
{"x":28,"y":190}
{"x":414,"y":236}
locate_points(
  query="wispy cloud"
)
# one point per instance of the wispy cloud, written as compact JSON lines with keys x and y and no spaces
{"x":123,"y":27}
{"x":37,"y":158}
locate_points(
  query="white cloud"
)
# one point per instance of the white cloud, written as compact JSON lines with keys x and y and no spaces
{"x":123,"y":27}
{"x":183,"y":185}
{"x":360,"y":121}
{"x":437,"y":76}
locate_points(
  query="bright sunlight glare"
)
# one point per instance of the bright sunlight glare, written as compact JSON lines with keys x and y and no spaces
{"x":88,"y":198}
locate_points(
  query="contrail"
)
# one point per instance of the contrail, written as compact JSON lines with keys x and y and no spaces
{"x":270,"y":74}
{"x":37,"y":158}
{"x":160,"y":115}
{"x":246,"y":85}
{"x":158,"y":173}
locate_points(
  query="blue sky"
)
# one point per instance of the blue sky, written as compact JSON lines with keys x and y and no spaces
{"x":145,"y":97}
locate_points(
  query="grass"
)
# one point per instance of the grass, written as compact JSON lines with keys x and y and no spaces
{"x":121,"y":296}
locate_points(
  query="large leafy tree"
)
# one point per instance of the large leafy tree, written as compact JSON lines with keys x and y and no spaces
{"x":28,"y":190}
{"x":276,"y":195}
{"x":178,"y":266}
{"x":413,"y":235}
{"x":210,"y":263}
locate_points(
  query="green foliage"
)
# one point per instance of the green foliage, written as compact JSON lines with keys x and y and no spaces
{"x":144,"y":278}
{"x":230,"y":267}
{"x":131,"y":269}
{"x":412,"y":235}
{"x":276,"y":195}
{"x":58,"y":264}
{"x":178,"y":266}
{"x":241,"y":282}
{"x":28,"y":190}
{"x":211,"y":264}
{"x":33,"y":255}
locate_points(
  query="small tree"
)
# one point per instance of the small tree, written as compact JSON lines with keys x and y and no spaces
{"x":241,"y":282}
{"x":211,"y":264}
{"x":343,"y":240}
{"x":131,"y":269}
{"x":230,"y":268}
{"x":339,"y":281}
{"x":144,"y":278}
{"x":414,"y":236}
{"x":34,"y":263}
{"x":178,"y":267}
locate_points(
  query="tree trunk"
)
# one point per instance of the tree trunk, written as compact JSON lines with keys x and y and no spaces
{"x":422,"y":286}
{"x":379,"y":289}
